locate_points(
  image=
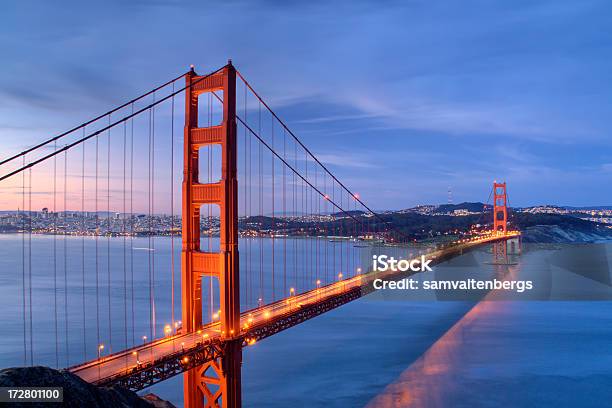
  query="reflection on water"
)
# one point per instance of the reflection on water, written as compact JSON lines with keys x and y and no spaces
{"x":509,"y":353}
{"x":427,"y":380}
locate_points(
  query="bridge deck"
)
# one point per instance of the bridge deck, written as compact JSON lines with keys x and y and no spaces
{"x":141,"y":366}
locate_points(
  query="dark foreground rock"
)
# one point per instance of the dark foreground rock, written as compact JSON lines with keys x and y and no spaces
{"x":77,"y":393}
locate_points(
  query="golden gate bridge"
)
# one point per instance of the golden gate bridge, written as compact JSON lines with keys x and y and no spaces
{"x":249,"y":185}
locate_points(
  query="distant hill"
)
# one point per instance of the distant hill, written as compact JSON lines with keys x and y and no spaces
{"x":590,"y":208}
{"x":472,"y":207}
{"x":354,"y":213}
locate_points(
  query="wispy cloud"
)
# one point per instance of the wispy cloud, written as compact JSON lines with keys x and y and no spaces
{"x":348,"y":160}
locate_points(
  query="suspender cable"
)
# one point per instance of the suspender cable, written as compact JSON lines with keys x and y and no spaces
{"x":317,"y":230}
{"x":273,"y":218}
{"x":307,"y":247}
{"x":30,"y":265}
{"x":246,"y":215}
{"x":295,"y":251}
{"x":172,"y":205}
{"x":123,"y":233}
{"x":306,"y":234}
{"x":250,"y":242}
{"x":83,"y":248}
{"x":108,"y":237}
{"x":347,"y":233}
{"x":333,"y":230}
{"x":132,"y":224}
{"x":284,"y":215}
{"x":55,"y":256}
{"x":97,"y":232}
{"x":154,"y":314}
{"x":325,"y":229}
{"x":149,"y":230}
{"x":260,"y":197}
{"x":23,"y":268}
{"x":66,"y":257}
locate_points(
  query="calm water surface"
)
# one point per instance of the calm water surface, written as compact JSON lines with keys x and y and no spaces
{"x":380,"y":351}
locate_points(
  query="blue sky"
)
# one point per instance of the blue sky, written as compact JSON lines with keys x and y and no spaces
{"x":400,"y":99}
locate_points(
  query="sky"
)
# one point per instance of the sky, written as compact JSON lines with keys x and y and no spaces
{"x":401,"y":99}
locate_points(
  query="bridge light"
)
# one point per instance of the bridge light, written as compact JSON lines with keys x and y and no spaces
{"x":358,"y":269}
{"x":291,"y":291}
{"x":167,"y":330}
{"x":318,"y":282}
{"x":185,"y":359}
{"x":144,"y":339}
{"x":340,"y":276}
{"x":267,"y":314}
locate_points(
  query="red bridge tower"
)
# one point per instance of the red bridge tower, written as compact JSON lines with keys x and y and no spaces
{"x":500,"y":210}
{"x":216,"y":383}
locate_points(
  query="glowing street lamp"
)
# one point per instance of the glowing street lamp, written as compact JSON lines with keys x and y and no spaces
{"x":144,"y":339}
{"x":100,"y":348}
{"x":167,"y":330}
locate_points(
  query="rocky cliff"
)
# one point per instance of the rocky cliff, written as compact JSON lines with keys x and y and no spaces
{"x":77,"y":393}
